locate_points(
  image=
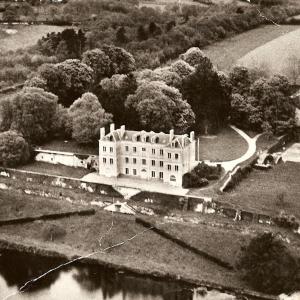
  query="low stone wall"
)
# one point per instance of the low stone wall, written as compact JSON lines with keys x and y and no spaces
{"x":10,"y":89}
{"x":53,"y":216}
{"x":15,"y":178}
{"x":282,"y":141}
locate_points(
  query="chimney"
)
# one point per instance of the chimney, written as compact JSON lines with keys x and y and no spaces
{"x":192,"y":135}
{"x":183,"y":139}
{"x":102,"y":133}
{"x":112,"y":127}
{"x":171,"y":135}
{"x":122,"y":130}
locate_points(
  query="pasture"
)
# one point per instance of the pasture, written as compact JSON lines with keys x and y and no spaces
{"x":14,"y":37}
{"x":280,"y":55}
{"x":226,"y":53}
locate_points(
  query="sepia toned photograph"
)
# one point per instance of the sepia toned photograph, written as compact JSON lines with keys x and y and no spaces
{"x":149,"y":149}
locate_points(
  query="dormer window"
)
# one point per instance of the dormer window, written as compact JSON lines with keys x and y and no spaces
{"x":147,"y":139}
{"x":176,"y":144}
{"x":111,"y":138}
{"x":138,"y":138}
{"x":156,"y":140}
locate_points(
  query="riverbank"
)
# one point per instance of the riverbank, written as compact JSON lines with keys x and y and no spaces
{"x":147,"y":255}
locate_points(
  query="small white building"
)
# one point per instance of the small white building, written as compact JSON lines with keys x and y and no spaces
{"x":146,"y":155}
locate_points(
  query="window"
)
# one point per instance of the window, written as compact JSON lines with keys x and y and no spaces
{"x":138,"y":138}
{"x":111,"y":149}
{"x":161,"y":152}
{"x":127,"y":171}
{"x":153,"y":174}
{"x":147,"y":139}
{"x":134,"y":160}
{"x":134,"y":171}
{"x":161,"y":163}
{"x":143,"y":149}
{"x":111,"y":161}
{"x":126,"y":160}
{"x":161,"y":175}
{"x":134,"y":149}
{"x":104,"y":160}
{"x":176,"y":168}
{"x":143,"y":161}
{"x":153,"y":151}
{"x":153,"y":162}
{"x":111,"y":138}
{"x":104,"y":149}
{"x":176,"y":155}
{"x":126,"y":148}
{"x":172,"y":178}
{"x":169,"y":155}
{"x":169,"y":167}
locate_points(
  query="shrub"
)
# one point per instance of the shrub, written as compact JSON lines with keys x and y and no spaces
{"x":53,"y":232}
{"x":287,"y":221}
{"x":14,"y":150}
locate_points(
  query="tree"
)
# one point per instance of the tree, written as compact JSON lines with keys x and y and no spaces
{"x":33,"y":111}
{"x":160,"y":107}
{"x":209,"y":94}
{"x":121,"y":37}
{"x":10,"y":14}
{"x":141,"y":33}
{"x":268,"y":266}
{"x":36,"y":82}
{"x":99,"y":62}
{"x":86,"y":118}
{"x":182,"y":68}
{"x":113,"y":95}
{"x":14,"y":150}
{"x":194,"y":56}
{"x":122,"y":62}
{"x":68,"y":80}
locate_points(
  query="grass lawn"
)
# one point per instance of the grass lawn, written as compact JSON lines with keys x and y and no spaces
{"x":148,"y":251}
{"x":27,"y":35}
{"x":258,"y":192}
{"x":227,"y":145}
{"x":15,"y":205}
{"x":226,"y":53}
{"x":276,"y":56}
{"x":71,"y":146}
{"x":58,"y":170}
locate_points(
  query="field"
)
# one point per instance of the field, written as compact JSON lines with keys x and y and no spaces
{"x":277,"y":56}
{"x":227,"y":145}
{"x":26,"y":35}
{"x":226,"y":53}
{"x":259,"y":192}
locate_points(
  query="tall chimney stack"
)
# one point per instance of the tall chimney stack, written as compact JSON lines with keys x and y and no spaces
{"x":102,"y":133}
{"x":192,"y":135}
{"x":112,"y":127}
{"x":171,"y":135}
{"x":122,"y":130}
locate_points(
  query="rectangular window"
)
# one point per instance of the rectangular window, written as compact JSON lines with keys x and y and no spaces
{"x":104,"y":149}
{"x":127,"y":171}
{"x":111,"y":161}
{"x":153,"y":174}
{"x":111,"y":149}
{"x":143,"y":161}
{"x":169,"y":167}
{"x":176,"y":168}
{"x":169,"y":155}
{"x":176,"y":155}
{"x":126,"y":160}
{"x":134,"y":171}
{"x":126,"y":148}
{"x":161,"y":152}
{"x":104,"y":160}
{"x":143,"y":149}
{"x":161,"y":164}
{"x":134,"y":149}
{"x":134,"y":160}
{"x":153,"y":151}
{"x":153,"y":162}
{"x":161,"y":175}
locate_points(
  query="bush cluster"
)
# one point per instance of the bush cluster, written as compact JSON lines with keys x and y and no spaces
{"x":287,"y":221}
{"x":200,"y":175}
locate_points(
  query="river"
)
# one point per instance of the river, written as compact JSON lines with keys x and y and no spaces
{"x":85,"y":282}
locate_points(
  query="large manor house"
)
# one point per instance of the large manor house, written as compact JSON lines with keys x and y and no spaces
{"x":146,"y":155}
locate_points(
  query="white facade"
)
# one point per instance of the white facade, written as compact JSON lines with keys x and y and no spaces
{"x":67,"y":159}
{"x":146,"y":155}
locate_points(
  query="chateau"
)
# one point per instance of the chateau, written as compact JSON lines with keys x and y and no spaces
{"x":146,"y":155}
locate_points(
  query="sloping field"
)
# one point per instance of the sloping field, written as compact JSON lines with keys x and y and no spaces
{"x":226,"y":53}
{"x":277,"y":56}
{"x":26,"y":35}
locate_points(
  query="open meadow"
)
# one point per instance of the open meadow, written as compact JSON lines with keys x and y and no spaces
{"x":277,"y":56}
{"x":226,"y":53}
{"x":21,"y":36}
